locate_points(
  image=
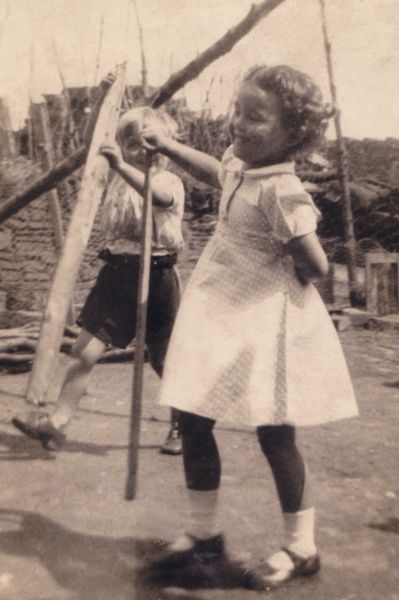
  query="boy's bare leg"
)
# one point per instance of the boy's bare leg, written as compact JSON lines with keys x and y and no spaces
{"x":86,"y":352}
{"x":156,"y":355}
{"x":49,"y":429}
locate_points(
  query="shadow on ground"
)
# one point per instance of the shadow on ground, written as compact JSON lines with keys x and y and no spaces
{"x":105,"y":567}
{"x":225,"y":574}
{"x":20,"y":447}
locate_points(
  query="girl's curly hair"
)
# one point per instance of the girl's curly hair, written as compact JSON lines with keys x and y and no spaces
{"x":303,"y":110}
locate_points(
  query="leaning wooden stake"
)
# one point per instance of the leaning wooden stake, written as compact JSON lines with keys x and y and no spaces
{"x":141,"y":321}
{"x":93,"y":182}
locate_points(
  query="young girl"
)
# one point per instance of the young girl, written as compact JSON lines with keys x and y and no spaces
{"x":253,"y":342}
{"x":108,"y":316}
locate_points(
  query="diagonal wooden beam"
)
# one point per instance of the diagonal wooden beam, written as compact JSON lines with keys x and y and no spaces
{"x":191,"y":71}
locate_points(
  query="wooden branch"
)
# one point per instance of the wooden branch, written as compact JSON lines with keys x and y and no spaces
{"x":343,"y":170}
{"x":218,"y":49}
{"x":15,"y":344}
{"x":14,"y":332}
{"x":92,"y":186}
{"x":47,"y":160}
{"x":9,"y":358}
{"x":44,"y":184}
{"x":142,"y":51}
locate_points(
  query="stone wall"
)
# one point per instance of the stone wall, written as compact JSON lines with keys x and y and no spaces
{"x":28,"y":254}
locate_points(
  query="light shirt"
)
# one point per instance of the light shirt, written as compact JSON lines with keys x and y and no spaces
{"x":122,"y":215}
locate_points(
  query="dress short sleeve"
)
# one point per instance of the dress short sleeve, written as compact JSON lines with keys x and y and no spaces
{"x":289,"y":209}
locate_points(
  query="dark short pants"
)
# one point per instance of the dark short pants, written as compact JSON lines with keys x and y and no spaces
{"x":109,"y":312}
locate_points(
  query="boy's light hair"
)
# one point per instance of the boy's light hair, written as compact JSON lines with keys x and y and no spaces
{"x":140,"y":114}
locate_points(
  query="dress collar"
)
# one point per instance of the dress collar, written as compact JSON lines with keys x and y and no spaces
{"x":232,"y":164}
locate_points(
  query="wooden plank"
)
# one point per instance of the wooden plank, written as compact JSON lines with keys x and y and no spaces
{"x":92,"y":187}
{"x":382,"y":283}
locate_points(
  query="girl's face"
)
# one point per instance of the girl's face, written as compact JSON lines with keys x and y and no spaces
{"x":259,"y":135}
{"x":131,"y":146}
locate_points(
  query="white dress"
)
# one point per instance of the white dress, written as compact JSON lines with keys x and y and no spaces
{"x":251,"y":344}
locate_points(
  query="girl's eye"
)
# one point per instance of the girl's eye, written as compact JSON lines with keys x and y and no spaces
{"x":255,"y":117}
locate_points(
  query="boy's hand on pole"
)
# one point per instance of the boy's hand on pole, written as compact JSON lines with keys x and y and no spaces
{"x":112,"y":153}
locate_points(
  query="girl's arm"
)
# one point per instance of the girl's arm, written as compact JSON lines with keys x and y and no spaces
{"x":200,"y":165}
{"x":309,"y":257}
{"x":134,"y":177}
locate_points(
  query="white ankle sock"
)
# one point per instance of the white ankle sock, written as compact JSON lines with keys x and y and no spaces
{"x":204,"y":519}
{"x":299,"y":532}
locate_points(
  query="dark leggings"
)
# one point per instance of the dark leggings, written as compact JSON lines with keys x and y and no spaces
{"x":202,"y":461}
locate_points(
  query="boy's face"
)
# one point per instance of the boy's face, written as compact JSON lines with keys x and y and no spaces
{"x":131,"y":146}
{"x":259,"y":135}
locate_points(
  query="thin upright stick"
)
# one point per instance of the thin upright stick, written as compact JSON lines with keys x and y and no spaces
{"x":350,"y":240}
{"x":47,"y":160}
{"x":141,"y":321}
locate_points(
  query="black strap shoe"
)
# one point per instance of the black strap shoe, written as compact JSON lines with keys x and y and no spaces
{"x":38,"y":425}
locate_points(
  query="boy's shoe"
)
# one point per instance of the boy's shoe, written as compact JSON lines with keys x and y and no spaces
{"x":172,"y":445}
{"x":193,"y":551}
{"x":38,"y":425}
{"x":291,"y":565}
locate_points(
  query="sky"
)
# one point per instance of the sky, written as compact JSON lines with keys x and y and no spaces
{"x":84,"y":39}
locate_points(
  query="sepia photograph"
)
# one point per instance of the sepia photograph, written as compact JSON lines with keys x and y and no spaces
{"x":199,"y":300}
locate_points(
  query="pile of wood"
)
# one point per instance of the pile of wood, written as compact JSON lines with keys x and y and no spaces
{"x":18,"y":346}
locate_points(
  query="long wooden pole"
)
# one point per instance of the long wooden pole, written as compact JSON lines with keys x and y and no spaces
{"x":350,"y":240}
{"x":93,"y":182}
{"x":141,"y":321}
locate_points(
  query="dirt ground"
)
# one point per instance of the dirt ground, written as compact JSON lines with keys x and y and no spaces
{"x":66,"y":532}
